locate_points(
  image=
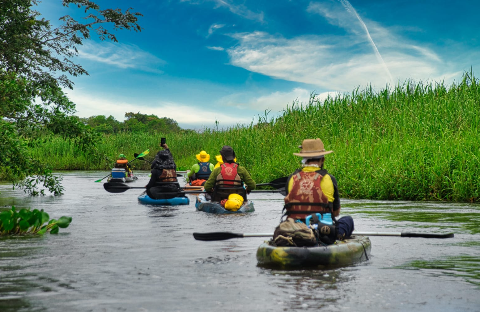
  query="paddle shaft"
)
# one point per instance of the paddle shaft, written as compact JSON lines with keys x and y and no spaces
{"x":228,"y":235}
{"x":126,"y":187}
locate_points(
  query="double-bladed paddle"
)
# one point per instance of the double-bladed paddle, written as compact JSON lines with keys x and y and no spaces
{"x":137,"y":156}
{"x":118,"y":187}
{"x":214,"y":236}
{"x":279,"y":184}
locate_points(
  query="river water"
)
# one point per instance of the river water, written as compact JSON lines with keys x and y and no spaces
{"x":120,"y":255}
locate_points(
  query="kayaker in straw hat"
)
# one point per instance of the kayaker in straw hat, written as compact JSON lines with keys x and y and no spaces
{"x":229,"y":178}
{"x":200,"y":171}
{"x":311,"y":190}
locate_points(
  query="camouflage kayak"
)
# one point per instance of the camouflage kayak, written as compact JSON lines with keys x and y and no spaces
{"x":352,"y":250}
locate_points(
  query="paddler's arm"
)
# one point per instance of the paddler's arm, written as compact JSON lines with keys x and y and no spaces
{"x":336,"y":201}
{"x":193,"y":170}
{"x":154,"y":178}
{"x":208,"y":186}
{"x":246,"y":178}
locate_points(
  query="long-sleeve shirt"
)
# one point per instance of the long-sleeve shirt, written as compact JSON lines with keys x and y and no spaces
{"x":242,"y":172}
{"x":195,"y":168}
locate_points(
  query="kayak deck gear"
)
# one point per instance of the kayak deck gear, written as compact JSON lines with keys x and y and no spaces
{"x":202,"y":204}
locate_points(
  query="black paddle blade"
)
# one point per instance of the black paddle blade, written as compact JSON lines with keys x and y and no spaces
{"x":115,"y":187}
{"x":277,"y":183}
{"x":214,"y":236}
{"x":427,"y":235}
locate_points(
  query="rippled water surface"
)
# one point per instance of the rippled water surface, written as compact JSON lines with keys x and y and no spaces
{"x":119,"y":255}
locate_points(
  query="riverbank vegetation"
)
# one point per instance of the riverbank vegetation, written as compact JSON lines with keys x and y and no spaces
{"x":36,"y":63}
{"x":418,"y":141}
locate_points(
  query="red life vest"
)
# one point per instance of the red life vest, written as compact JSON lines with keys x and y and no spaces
{"x":306,"y":196}
{"x":168,"y":175}
{"x":228,"y":182}
{"x":229,"y":175}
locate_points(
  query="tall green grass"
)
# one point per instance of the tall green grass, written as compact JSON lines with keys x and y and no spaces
{"x":416,"y":142}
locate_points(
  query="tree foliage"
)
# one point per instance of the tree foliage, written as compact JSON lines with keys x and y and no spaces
{"x":135,"y":122}
{"x":36,"y":61}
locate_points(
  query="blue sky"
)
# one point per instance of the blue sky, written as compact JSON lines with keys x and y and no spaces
{"x":201,"y":61}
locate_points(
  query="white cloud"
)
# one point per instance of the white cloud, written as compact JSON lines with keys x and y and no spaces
{"x":186,"y":115}
{"x":340,"y":62}
{"x":240,"y":10}
{"x":216,"y":48}
{"x":276,"y":101}
{"x":120,"y":55}
{"x":213,"y":28}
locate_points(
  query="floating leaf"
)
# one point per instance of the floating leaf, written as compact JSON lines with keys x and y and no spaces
{"x":54,"y":229}
{"x":25,"y":214}
{"x":44,"y":217}
{"x":42,"y":230}
{"x":64,"y":222}
{"x":33,"y":220}
{"x":8,"y":225}
{"x":24,"y":225}
{"x":5,"y":215}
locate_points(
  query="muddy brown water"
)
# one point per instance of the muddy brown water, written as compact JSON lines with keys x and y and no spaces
{"x":120,"y":255}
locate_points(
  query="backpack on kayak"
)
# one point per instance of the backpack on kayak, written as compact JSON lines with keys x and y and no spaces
{"x":291,"y":233}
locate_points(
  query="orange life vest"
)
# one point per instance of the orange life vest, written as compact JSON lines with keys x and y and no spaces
{"x":306,"y":196}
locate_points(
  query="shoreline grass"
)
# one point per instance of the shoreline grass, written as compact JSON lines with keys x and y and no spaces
{"x":416,"y":142}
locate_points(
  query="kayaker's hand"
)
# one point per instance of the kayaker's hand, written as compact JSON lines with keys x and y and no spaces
{"x":247,"y":190}
{"x":165,"y":146}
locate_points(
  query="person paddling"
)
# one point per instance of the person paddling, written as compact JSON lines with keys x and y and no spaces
{"x":229,"y":178}
{"x":200,"y":172}
{"x":164,"y":175}
{"x":311,"y":190}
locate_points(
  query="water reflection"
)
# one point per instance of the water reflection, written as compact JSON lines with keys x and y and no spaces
{"x":463,"y":266}
{"x":121,"y":255}
{"x":301,"y":289}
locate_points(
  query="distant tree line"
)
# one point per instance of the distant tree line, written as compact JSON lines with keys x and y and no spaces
{"x":134,"y":122}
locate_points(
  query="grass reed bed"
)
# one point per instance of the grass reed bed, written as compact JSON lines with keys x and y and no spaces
{"x":415,"y":142}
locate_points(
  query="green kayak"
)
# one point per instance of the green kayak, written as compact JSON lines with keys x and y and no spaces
{"x":352,"y":250}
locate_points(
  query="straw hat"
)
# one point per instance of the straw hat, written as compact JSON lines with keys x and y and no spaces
{"x":312,"y":148}
{"x":203,"y":156}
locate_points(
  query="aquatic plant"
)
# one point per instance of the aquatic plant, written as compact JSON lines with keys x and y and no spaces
{"x":26,"y":221}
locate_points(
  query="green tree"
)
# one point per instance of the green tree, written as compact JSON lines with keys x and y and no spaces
{"x":35,"y":59}
{"x":102,"y":124}
{"x":137,"y":122}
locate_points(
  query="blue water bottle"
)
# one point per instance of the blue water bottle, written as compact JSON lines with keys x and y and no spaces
{"x":325,"y":218}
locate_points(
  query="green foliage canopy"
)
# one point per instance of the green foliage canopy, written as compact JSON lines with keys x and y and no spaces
{"x":35,"y":59}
